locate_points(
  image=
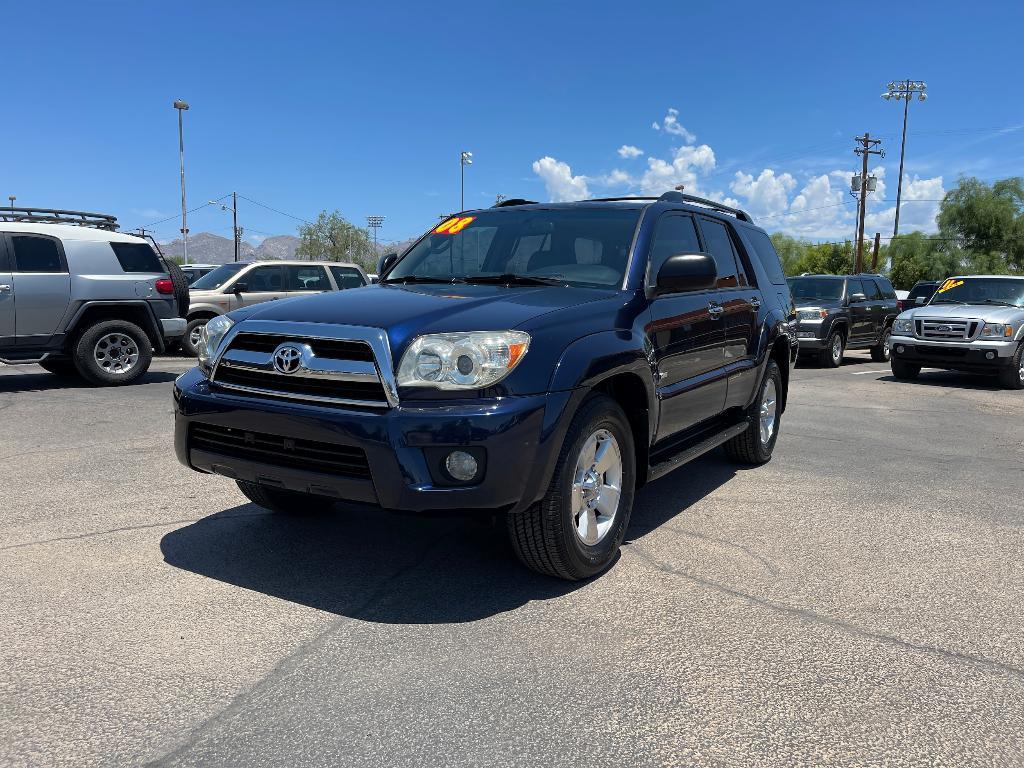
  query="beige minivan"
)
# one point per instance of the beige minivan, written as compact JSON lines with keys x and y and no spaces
{"x":242,"y":283}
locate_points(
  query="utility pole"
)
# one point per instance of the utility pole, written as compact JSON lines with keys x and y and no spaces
{"x":874,"y":252}
{"x":234,"y":222}
{"x":867,"y":147}
{"x":12,"y":198}
{"x":903,"y":90}
{"x":466,"y":158}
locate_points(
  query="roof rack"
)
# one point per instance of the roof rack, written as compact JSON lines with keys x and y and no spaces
{"x":678,"y":197}
{"x":59,"y":216}
{"x":514,"y":201}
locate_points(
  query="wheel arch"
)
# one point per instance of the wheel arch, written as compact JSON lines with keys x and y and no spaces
{"x":137,"y":312}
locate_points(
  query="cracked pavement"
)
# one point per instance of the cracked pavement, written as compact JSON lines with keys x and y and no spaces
{"x":857,"y":601}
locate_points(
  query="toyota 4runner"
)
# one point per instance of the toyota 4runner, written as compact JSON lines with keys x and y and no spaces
{"x":541,"y":361}
{"x":80,"y":298}
{"x":972,"y":323}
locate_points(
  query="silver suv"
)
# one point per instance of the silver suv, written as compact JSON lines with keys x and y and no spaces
{"x":243,"y":283}
{"x":971,"y":323}
{"x":84,"y":300}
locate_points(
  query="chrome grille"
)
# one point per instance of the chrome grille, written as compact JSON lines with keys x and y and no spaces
{"x":337,"y":364}
{"x":945,"y":330}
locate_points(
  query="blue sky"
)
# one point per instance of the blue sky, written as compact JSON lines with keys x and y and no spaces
{"x":307,"y":106}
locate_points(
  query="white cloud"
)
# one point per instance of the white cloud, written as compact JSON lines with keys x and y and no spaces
{"x":617,"y":178}
{"x":150,"y":213}
{"x":561,"y":185}
{"x":628,"y":151}
{"x":918,"y":210}
{"x":671,"y":125}
{"x":687,"y":164}
{"x":766,"y":195}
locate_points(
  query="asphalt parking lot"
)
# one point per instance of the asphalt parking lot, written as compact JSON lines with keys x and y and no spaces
{"x":857,"y":601}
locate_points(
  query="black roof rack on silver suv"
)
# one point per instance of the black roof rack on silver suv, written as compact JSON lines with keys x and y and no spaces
{"x":59,"y":216}
{"x":678,"y":197}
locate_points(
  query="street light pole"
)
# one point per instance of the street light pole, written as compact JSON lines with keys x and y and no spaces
{"x":374,"y":223}
{"x":181,"y":106}
{"x":903,"y":91}
{"x":466,"y":158}
{"x":12,"y":198}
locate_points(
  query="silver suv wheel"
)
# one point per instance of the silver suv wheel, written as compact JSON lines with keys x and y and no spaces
{"x":116,"y":353}
{"x":837,"y":349}
{"x":597,"y":487}
{"x":769,"y":404}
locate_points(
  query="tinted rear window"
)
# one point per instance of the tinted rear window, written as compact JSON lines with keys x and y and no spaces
{"x":765,"y":252}
{"x":348,"y":277}
{"x":36,"y":254}
{"x":137,"y":257}
{"x":885,"y":286}
{"x":922,"y":290}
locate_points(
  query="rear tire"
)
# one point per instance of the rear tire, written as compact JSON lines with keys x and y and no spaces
{"x":284,"y":502}
{"x":1013,"y":377}
{"x":191,"y":338}
{"x":881,"y":353}
{"x":832,"y":354}
{"x":755,"y":445}
{"x":64,"y":368}
{"x":574,"y":532}
{"x":903,"y":370}
{"x":113,"y":353}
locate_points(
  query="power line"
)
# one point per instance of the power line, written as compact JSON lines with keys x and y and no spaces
{"x":275,"y":210}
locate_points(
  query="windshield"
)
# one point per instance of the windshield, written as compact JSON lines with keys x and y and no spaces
{"x":215,"y":279}
{"x":980,"y":290}
{"x":577,"y":246}
{"x":815,"y":288}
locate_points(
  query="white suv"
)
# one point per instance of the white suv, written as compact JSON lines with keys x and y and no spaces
{"x":242,"y":283}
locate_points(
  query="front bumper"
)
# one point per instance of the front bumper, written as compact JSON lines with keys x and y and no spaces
{"x":520,"y":435}
{"x":173,"y":327}
{"x":964,"y":356}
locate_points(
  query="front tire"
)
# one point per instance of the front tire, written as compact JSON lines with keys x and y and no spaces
{"x":284,"y":502}
{"x":832,"y":354}
{"x":882,"y":351}
{"x":755,"y":445}
{"x":903,"y":370}
{"x":190,"y":341}
{"x":113,"y":353}
{"x":1013,"y":377}
{"x":576,"y":530}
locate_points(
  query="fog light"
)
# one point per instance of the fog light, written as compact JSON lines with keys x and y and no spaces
{"x":461,"y":465}
{"x":900,"y":349}
{"x":990,"y":355}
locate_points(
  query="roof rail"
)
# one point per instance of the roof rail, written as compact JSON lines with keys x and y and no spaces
{"x":675,"y":196}
{"x":59,"y":216}
{"x":514,"y":201}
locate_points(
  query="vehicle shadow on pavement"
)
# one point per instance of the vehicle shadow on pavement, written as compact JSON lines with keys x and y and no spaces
{"x":364,"y":563}
{"x":950,"y":379}
{"x":41,"y":382}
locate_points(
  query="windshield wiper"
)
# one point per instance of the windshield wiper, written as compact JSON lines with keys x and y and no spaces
{"x":949,"y":301}
{"x":512,"y":279}
{"x":999,"y":302}
{"x":416,"y":279}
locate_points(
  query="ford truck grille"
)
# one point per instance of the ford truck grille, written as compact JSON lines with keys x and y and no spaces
{"x":293,"y":453}
{"x":325,"y":371}
{"x":945,"y":330}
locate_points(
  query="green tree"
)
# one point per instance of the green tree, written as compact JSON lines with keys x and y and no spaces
{"x":918,"y":256}
{"x":332,"y":238}
{"x":986,"y":222}
{"x":790,"y":250}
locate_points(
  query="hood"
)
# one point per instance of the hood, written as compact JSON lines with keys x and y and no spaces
{"x":405,"y":311}
{"x":989,"y":312}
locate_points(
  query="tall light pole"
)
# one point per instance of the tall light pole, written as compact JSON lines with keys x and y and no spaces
{"x":904,"y":91}
{"x":234,"y":219}
{"x":465,"y":159}
{"x":12,"y":198}
{"x":181,"y":106}
{"x":374,"y":223}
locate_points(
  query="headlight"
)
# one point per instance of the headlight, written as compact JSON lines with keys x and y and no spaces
{"x":462,"y":360}
{"x":903,"y":325}
{"x":210,"y":338}
{"x":812,"y":314}
{"x":997,"y":330}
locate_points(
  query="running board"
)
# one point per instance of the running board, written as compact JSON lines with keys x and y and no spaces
{"x":23,"y":360}
{"x":689,"y":454}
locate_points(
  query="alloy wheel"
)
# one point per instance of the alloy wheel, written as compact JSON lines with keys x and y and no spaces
{"x":597,"y":487}
{"x":116,"y":353}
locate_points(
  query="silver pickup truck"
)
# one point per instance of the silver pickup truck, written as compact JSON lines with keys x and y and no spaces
{"x":972,"y":323}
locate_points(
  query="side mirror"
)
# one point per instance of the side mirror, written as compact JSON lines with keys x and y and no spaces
{"x":686,"y":272}
{"x":240,"y":287}
{"x":385,"y":262}
{"x":857,"y":297}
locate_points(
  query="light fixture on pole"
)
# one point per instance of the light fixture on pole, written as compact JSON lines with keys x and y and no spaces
{"x":234,"y":220}
{"x":181,"y":106}
{"x":12,"y":198}
{"x":466,"y":158}
{"x":903,"y":90}
{"x":374,"y":223}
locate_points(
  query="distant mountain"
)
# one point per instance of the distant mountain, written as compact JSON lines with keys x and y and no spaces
{"x":208,"y":248}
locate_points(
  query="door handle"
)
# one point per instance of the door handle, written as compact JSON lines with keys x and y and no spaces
{"x":755,"y":302}
{"x":715,"y":309}
{"x":5,"y":289}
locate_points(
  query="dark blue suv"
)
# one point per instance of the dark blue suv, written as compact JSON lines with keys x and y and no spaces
{"x":540,"y":361}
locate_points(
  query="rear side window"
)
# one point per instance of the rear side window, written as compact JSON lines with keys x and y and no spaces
{"x":719,"y":245}
{"x":306,"y":279}
{"x":675,"y":234}
{"x":924,"y":291}
{"x":36,"y":254}
{"x":347,"y":277}
{"x":852,"y":287}
{"x":885,"y":286}
{"x":137,"y":257}
{"x":766,"y":254}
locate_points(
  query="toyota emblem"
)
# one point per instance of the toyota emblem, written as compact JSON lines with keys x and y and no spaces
{"x":287,"y":358}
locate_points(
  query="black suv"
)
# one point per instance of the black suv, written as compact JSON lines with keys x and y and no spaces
{"x":539,"y":361}
{"x":840,"y":312}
